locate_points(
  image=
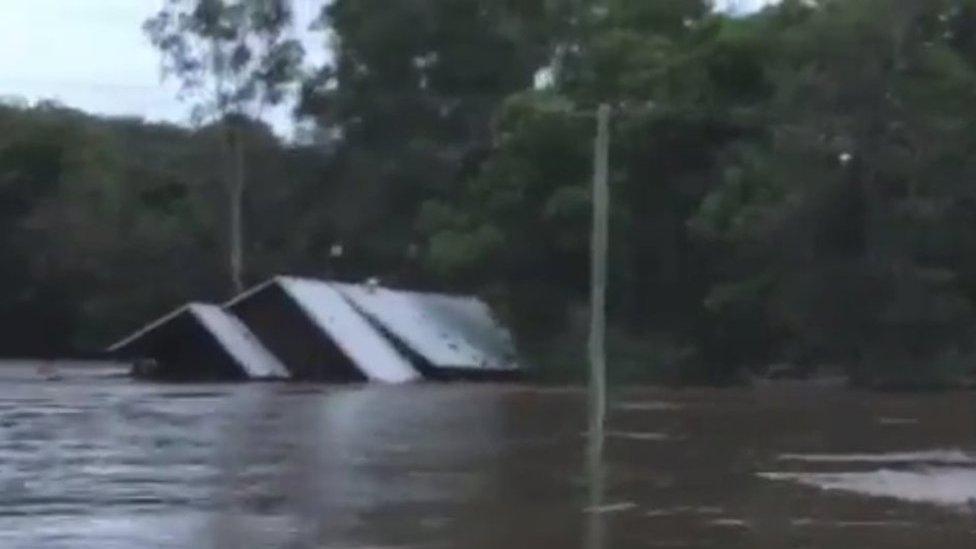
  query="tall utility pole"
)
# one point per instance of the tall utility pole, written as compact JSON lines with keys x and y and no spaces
{"x":598,"y":280}
{"x":598,"y":326}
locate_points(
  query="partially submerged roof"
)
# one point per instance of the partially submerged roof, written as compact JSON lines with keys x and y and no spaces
{"x":367,"y":349}
{"x":233,"y":337}
{"x":315,"y":329}
{"x":456,"y":332}
{"x":247,"y":351}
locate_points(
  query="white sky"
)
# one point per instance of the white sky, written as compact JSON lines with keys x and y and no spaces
{"x":741,"y":6}
{"x":92,"y":55}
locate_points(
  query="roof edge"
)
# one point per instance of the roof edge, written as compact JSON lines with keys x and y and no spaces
{"x":282,"y":279}
{"x":147,"y":328}
{"x":254,"y":290}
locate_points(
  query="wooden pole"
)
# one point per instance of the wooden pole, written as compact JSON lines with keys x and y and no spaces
{"x":595,"y":538}
{"x":598,"y":300}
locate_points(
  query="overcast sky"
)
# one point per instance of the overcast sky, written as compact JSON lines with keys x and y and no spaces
{"x":92,"y":55}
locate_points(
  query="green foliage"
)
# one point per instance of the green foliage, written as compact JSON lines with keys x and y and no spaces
{"x":109,"y":223}
{"x":412,"y":93}
{"x":231,"y":56}
{"x":845,"y":198}
{"x":788,"y":187}
{"x":783,"y":182}
{"x":454,"y":253}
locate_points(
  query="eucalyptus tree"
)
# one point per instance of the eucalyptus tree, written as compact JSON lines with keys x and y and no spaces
{"x":233,"y":58}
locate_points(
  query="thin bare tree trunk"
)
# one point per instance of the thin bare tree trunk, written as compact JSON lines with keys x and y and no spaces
{"x":236,"y":183}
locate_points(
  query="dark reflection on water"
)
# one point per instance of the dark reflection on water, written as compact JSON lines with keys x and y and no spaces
{"x":93,"y":462}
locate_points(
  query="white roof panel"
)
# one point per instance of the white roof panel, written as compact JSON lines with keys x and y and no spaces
{"x":372,"y":353}
{"x":256,"y":361}
{"x":448,"y":331}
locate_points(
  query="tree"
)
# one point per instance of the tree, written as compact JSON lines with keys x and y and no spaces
{"x":856,"y":258}
{"x":410,"y":95}
{"x":519,"y":224}
{"x":92,"y":211}
{"x":233,"y":58}
{"x":789,"y":186}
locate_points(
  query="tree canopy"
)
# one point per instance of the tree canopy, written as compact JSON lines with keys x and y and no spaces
{"x":790,"y":187}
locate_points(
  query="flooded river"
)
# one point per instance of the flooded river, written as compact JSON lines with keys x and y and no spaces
{"x":95,"y":461}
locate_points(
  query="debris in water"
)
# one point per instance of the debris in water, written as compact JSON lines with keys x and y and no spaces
{"x":935,"y":457}
{"x":611,"y":508}
{"x":646,"y":437}
{"x":898,"y":421}
{"x":49,"y":373}
{"x":729,"y":523}
{"x":651,"y":406}
{"x":947,"y":486}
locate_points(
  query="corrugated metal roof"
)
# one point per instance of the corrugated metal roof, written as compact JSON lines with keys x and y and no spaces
{"x":366,"y":323}
{"x":256,"y":361}
{"x":448,"y":331}
{"x":366,"y":347}
{"x":229,"y":332}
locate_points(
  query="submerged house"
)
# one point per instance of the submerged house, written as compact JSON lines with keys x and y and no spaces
{"x":318,"y":330}
{"x":445,"y":336}
{"x":201,"y":342}
{"x":318,"y":335}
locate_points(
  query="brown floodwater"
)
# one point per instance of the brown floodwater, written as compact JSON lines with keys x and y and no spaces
{"x":95,"y":461}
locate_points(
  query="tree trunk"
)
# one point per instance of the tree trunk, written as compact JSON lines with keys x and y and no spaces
{"x":235,"y":205}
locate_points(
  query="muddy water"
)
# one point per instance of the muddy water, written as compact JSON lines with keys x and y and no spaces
{"x":100,"y":462}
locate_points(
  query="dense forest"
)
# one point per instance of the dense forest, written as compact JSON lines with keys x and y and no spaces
{"x":792,"y":189}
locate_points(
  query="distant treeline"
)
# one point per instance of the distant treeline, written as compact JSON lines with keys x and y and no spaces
{"x":794,"y":188}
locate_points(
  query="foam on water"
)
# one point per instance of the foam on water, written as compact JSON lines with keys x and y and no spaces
{"x":949,"y":486}
{"x":940,"y":457}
